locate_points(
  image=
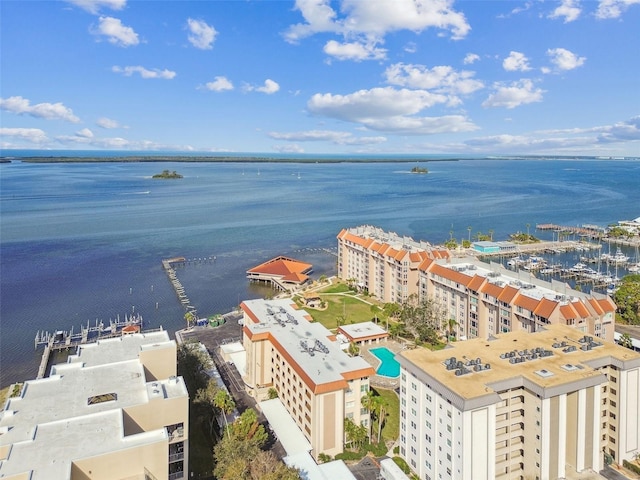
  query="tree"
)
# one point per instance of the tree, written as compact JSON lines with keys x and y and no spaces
{"x":491,"y":231}
{"x":626,"y":341}
{"x":272,"y":393}
{"x":354,"y":350}
{"x":368,"y":402}
{"x":452,"y":324}
{"x":189,"y":318}
{"x":469,"y":230}
{"x":193,"y":363}
{"x":422,"y":320}
{"x":375,"y":309}
{"x":627,"y":299}
{"x":225,"y":403}
{"x":205,"y":397}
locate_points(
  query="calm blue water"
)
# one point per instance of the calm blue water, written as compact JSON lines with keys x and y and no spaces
{"x":84,"y":241}
{"x":389,"y":366}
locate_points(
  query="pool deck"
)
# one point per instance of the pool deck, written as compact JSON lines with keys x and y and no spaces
{"x":380,"y":380}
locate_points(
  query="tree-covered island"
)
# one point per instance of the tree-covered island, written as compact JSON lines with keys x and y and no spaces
{"x":166,"y":174}
{"x":419,"y":170}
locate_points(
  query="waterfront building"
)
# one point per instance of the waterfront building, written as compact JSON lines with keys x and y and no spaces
{"x":116,"y":409}
{"x":382,"y":263}
{"x":282,"y":273}
{"x":480,"y":300}
{"x":551,"y":404}
{"x":364,"y":333}
{"x":318,"y":383}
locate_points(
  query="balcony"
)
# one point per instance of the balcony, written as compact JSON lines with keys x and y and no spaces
{"x":176,"y":475}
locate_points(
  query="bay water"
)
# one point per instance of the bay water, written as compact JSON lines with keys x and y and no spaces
{"x":84,"y":241}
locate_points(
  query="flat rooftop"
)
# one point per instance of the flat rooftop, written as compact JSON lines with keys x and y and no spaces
{"x":363,"y":330}
{"x":51,"y":448}
{"x":390,"y":238}
{"x":549,"y":358}
{"x":311,"y":346}
{"x":125,"y":347}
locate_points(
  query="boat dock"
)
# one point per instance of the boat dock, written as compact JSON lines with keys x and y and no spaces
{"x":588,"y":231}
{"x":168,"y":264}
{"x":67,"y":339}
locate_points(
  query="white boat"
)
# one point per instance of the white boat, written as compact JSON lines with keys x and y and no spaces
{"x":618,"y":258}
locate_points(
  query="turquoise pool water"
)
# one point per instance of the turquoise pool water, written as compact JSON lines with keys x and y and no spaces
{"x":389,"y":367}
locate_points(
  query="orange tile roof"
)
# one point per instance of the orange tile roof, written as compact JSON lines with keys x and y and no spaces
{"x":286,"y":268}
{"x":492,"y":289}
{"x":507,"y":294}
{"x":581,"y":308}
{"x":607,"y":305}
{"x":476,"y":282}
{"x":526,"y":302}
{"x":453,"y":275}
{"x":596,"y":306}
{"x":545,"y":308}
{"x":568,"y":312}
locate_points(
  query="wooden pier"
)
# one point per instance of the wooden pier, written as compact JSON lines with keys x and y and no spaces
{"x":589,"y":231}
{"x":168,"y":264}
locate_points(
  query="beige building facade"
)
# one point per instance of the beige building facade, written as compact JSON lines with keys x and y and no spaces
{"x":382,"y":263}
{"x":485,"y":299}
{"x":544,"y":405}
{"x":115,"y":410}
{"x":316,"y":381}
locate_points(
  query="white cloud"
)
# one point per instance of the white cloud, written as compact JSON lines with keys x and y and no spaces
{"x":442,"y":79}
{"x":376,"y":19}
{"x":269,"y":87}
{"x":338,"y":138}
{"x":219,"y":84}
{"x":85,"y":133}
{"x":116,"y":32}
{"x":621,"y":132}
{"x":201,"y":35}
{"x":354,"y":51}
{"x":144,"y":72}
{"x":563,"y":59}
{"x":389,"y":109}
{"x":513,"y":95}
{"x":568,"y":9}
{"x":516,"y":61}
{"x":49,"y":111}
{"x":94,"y":6}
{"x":613,"y":8}
{"x":107,"y":123}
{"x":31,"y":135}
{"x":471,"y":58}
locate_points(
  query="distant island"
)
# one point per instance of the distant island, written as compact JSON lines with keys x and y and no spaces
{"x":419,"y":170}
{"x":166,"y":174}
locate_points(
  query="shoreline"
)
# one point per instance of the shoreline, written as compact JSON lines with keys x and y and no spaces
{"x":214,"y":159}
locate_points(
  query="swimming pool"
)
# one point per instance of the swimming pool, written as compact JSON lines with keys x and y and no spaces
{"x":389,"y":366}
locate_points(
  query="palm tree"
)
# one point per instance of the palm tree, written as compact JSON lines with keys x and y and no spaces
{"x":189,"y":317}
{"x":374,"y":309}
{"x":369,"y":402}
{"x":381,"y":414}
{"x":469,"y":229}
{"x":452,"y":325}
{"x":224,"y":402}
{"x":491,"y":234}
{"x":528,"y":225}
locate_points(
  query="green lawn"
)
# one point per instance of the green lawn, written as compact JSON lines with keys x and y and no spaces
{"x":391,"y":426}
{"x":338,"y":306}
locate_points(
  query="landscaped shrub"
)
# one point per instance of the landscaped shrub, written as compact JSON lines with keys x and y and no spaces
{"x":631,"y":466}
{"x":402,"y":464}
{"x":396,"y":449}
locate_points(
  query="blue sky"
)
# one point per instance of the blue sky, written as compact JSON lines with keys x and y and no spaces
{"x":320,"y":76}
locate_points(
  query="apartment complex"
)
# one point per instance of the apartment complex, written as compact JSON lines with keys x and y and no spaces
{"x":479,"y":299}
{"x":485,"y":299}
{"x":383,"y":263}
{"x":116,"y":409}
{"x":316,"y":381}
{"x":551,"y":404}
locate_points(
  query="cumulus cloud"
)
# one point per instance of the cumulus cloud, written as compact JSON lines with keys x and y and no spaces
{"x":289,"y":148}
{"x":563,"y":59}
{"x":107,"y":123}
{"x":144,"y":72}
{"x":516,"y":61}
{"x":269,"y":87}
{"x":219,"y":84}
{"x":513,"y":95}
{"x":568,"y":9}
{"x":94,"y":6}
{"x":354,"y":51}
{"x":31,"y":135}
{"x":621,"y":132}
{"x":85,"y":133}
{"x":613,"y":8}
{"x":338,"y":138}
{"x":471,"y":58}
{"x":49,"y":111}
{"x":441,"y":79}
{"x":388,"y":109}
{"x":201,"y":35}
{"x":376,"y":19}
{"x":116,"y":33}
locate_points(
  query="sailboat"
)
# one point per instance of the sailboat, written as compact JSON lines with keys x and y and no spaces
{"x":635,"y":265}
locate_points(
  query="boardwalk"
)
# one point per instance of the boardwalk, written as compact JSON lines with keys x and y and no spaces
{"x":590,"y":231}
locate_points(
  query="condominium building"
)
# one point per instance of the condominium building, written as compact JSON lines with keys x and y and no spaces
{"x":383,"y":263}
{"x":116,"y":409}
{"x":484,"y":299}
{"x":316,"y":381}
{"x":551,"y":404}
